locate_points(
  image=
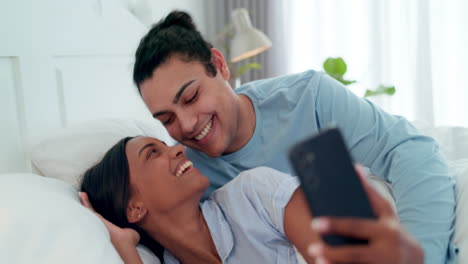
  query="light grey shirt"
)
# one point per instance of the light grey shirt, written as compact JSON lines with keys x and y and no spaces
{"x":245,"y":218}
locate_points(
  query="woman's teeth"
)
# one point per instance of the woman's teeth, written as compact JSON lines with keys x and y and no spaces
{"x":205,"y":131}
{"x":183,"y":168}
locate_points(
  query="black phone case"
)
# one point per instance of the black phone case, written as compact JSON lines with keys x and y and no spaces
{"x":329,"y":180}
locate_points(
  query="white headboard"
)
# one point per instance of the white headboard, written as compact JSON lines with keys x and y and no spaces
{"x":64,"y":62}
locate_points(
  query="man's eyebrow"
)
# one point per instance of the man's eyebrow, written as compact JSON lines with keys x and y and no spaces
{"x":181,"y":90}
{"x":146,"y":146}
{"x":176,"y":98}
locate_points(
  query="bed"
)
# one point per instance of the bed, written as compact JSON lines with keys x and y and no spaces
{"x":55,"y":126}
{"x":41,"y":214}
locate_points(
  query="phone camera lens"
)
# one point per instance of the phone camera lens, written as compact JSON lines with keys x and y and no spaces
{"x":310,"y":157}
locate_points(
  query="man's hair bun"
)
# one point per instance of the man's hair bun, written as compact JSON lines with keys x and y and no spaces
{"x":178,"y":18}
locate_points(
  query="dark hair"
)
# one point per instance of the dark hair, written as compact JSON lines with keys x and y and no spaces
{"x":107,"y":185}
{"x":174,"y":35}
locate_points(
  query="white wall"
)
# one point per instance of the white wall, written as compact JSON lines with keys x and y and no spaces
{"x":196,"y":8}
{"x":63,"y":62}
{"x":153,"y":10}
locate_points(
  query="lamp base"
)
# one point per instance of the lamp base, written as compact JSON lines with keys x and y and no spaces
{"x":234,"y":82}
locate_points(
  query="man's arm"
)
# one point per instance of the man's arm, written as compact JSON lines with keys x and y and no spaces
{"x":391,"y":147}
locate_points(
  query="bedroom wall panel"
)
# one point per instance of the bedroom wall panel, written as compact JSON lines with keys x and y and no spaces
{"x":50,"y":63}
{"x":98,"y":87}
{"x":39,"y":96}
{"x":11,"y":118}
{"x":64,"y":62}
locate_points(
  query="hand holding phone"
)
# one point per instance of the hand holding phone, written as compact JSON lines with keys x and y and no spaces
{"x":388,"y":242}
{"x":329,"y":181}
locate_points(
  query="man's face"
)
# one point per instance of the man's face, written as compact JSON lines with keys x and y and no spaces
{"x":198,"y":110}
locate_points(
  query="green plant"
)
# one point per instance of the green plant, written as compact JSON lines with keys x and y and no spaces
{"x":244,"y":68}
{"x":336,"y":68}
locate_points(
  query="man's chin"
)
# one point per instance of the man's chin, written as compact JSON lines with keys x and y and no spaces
{"x":213,"y":154}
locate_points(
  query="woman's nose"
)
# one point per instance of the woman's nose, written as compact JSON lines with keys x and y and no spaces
{"x":176,"y":150}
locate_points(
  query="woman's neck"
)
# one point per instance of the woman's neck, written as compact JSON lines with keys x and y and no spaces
{"x":185,"y":235}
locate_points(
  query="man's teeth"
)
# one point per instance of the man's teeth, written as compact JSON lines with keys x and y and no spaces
{"x":183,"y":168}
{"x":205,"y":131}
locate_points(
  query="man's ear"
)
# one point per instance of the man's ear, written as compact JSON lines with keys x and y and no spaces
{"x":136,"y":211}
{"x":220,"y":63}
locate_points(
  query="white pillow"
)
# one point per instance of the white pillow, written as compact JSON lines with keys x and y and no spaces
{"x":453,"y":141}
{"x":42,"y":221}
{"x":459,"y":168}
{"x":69,"y":153}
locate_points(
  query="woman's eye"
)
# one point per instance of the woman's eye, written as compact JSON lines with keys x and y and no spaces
{"x":152,"y":151}
{"x":168,"y":121}
{"x":193,"y":98}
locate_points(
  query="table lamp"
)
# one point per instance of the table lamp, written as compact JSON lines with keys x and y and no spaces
{"x":247,"y":41}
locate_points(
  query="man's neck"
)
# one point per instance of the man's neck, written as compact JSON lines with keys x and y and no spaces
{"x":246,"y":123}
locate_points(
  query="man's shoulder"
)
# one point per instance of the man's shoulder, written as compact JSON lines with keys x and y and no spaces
{"x":255,"y":178}
{"x":267,"y":88}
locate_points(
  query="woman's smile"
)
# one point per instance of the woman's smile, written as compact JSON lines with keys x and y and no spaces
{"x":183,"y":166}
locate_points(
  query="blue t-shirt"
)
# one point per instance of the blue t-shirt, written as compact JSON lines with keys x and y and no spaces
{"x":293,"y":107}
{"x":246,"y":218}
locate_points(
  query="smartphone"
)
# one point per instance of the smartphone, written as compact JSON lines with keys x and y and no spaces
{"x":329,"y":180}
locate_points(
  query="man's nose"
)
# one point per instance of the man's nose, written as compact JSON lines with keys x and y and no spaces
{"x":187,"y":124}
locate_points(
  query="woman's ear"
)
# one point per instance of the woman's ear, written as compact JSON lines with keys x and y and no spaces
{"x":136,"y":211}
{"x":220,"y":63}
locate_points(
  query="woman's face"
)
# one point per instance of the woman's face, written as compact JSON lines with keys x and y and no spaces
{"x":161,"y":176}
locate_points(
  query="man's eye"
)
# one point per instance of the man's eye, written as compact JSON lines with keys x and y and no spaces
{"x":193,"y":98}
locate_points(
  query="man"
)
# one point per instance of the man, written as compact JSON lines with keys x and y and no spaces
{"x":183,"y":82}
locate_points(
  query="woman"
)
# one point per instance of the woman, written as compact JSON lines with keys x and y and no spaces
{"x":142,"y":184}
